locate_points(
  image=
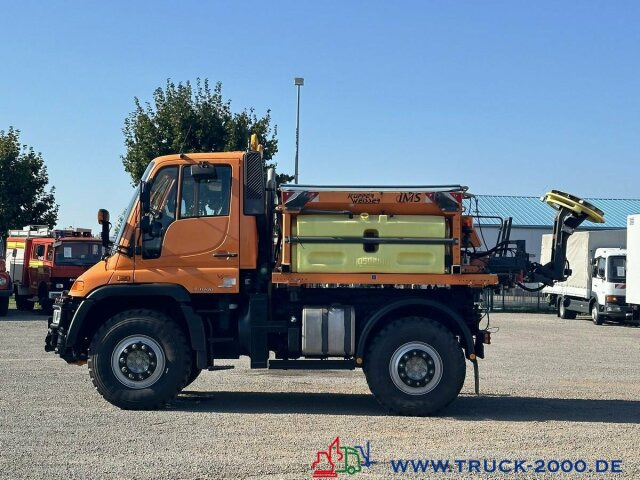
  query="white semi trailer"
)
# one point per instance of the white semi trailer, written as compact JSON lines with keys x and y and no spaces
{"x":597,"y":284}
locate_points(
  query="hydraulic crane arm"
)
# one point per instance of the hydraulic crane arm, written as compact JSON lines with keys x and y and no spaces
{"x":571,"y":212}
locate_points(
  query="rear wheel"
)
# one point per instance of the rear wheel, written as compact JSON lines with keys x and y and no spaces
{"x":415,"y":366}
{"x":195,"y":373}
{"x":23,"y":303}
{"x":564,"y":313}
{"x":596,"y":316}
{"x":46,"y":304}
{"x":4,"y":306}
{"x":139,"y":359}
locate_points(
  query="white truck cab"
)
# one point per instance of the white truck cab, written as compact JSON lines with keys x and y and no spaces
{"x":608,"y":284}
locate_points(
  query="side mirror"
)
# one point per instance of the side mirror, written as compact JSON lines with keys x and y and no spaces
{"x":145,"y":224}
{"x":103,"y":216}
{"x":145,"y":198}
{"x":150,"y":227}
{"x":103,"y":219}
{"x":156,"y":229}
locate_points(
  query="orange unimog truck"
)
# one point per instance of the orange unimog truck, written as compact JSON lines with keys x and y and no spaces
{"x":215,"y":262}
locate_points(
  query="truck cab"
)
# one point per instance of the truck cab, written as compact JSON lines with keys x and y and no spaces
{"x":608,"y":285}
{"x":45,"y":262}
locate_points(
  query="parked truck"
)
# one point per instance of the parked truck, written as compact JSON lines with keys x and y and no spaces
{"x":214,"y":262}
{"x":43,"y":262}
{"x":633,"y":265}
{"x":5,"y":283}
{"x":597,"y":283}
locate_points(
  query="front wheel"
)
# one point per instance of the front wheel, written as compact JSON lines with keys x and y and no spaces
{"x":139,"y":359}
{"x":596,"y":316}
{"x":415,"y":366}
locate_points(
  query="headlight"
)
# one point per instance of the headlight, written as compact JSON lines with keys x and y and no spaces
{"x":3,"y":281}
{"x":59,"y":285}
{"x":616,"y":299}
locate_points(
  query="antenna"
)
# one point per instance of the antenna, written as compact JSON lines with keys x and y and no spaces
{"x":184,"y":140}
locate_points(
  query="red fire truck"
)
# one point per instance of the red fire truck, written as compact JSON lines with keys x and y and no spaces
{"x":44,"y":262}
{"x":5,"y":283}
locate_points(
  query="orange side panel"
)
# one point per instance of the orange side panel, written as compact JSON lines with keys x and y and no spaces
{"x":248,"y":242}
{"x":372,"y":202}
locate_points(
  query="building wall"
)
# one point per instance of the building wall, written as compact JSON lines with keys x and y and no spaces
{"x":532,"y":236}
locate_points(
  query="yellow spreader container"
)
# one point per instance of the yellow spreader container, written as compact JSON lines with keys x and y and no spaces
{"x":368,"y":258}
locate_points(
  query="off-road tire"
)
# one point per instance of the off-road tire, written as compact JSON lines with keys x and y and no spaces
{"x":4,"y":306}
{"x":564,"y":313}
{"x":380,"y":355}
{"x":596,"y":317}
{"x":195,"y":373}
{"x":160,"y":328}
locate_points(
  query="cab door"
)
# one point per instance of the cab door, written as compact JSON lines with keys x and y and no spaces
{"x":36,"y":266}
{"x":196,"y":238}
{"x":598,"y":280}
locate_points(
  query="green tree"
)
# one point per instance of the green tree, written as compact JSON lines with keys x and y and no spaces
{"x":184,"y":118}
{"x":24,"y":199}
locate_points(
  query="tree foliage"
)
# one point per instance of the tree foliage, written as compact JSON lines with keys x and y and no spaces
{"x":186,"y":119}
{"x":24,"y":199}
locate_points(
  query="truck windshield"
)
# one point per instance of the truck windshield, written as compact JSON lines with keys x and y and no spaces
{"x":122,"y":220}
{"x":78,"y":253}
{"x":617,"y":269}
{"x":127,"y":213}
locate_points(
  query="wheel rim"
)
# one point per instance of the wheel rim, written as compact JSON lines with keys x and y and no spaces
{"x":594,"y":313}
{"x":415,"y":368}
{"x":138,"y":361}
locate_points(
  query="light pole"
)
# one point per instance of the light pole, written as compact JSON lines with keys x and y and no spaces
{"x":298,"y":82}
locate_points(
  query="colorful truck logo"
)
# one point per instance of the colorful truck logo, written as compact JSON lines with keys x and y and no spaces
{"x":341,"y":459}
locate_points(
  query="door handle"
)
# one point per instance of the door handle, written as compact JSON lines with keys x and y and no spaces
{"x":225,"y":254}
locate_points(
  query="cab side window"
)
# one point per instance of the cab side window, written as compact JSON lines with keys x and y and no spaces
{"x":163,"y":196}
{"x":50,"y":253}
{"x":601,"y":267}
{"x":38,"y":252}
{"x":209,"y":197}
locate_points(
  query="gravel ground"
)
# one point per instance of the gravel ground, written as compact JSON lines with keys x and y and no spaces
{"x":551,"y":389}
